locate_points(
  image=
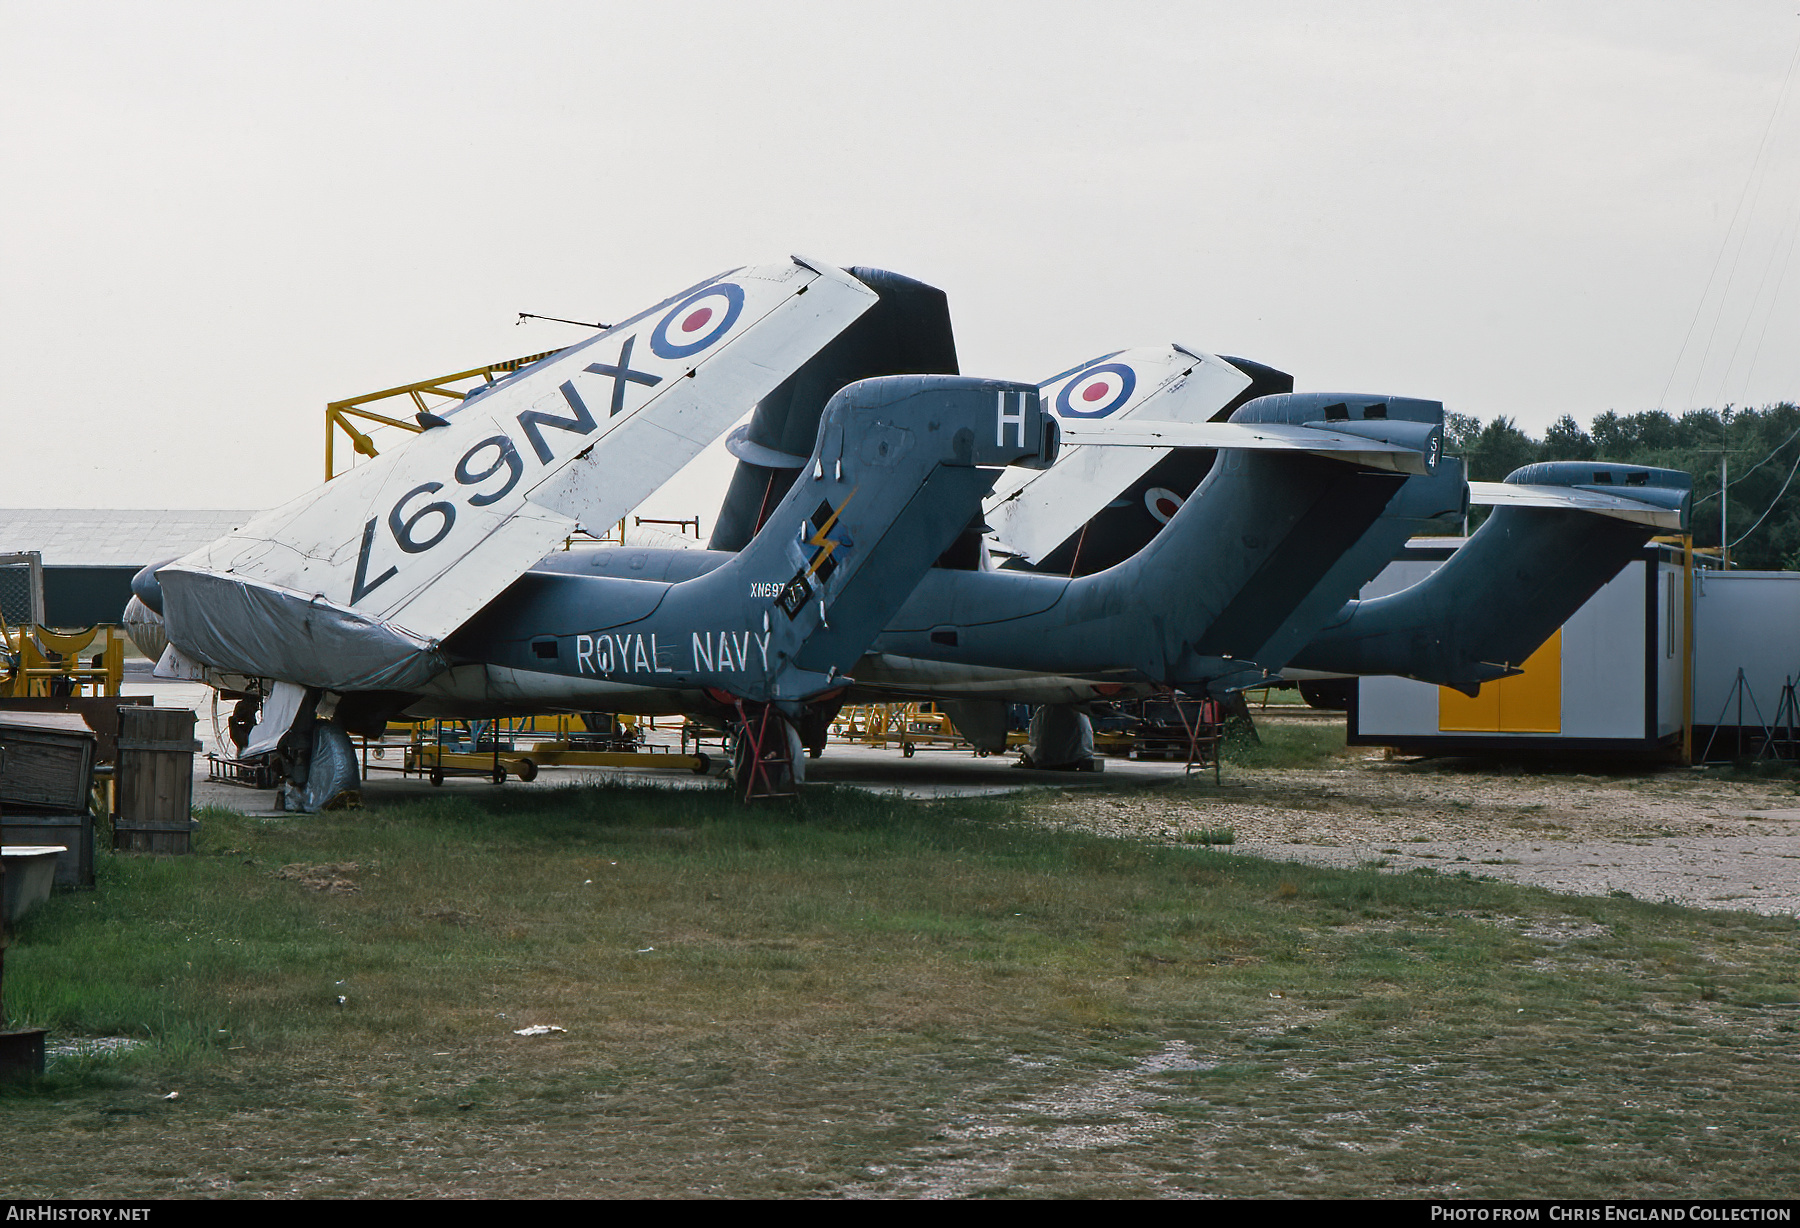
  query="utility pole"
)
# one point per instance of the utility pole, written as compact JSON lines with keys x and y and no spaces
{"x":1725,"y":455}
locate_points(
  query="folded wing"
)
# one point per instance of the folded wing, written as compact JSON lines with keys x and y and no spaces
{"x":1032,"y":513}
{"x":352,"y":585}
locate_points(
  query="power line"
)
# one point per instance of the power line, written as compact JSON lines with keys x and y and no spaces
{"x":1755,"y":165}
{"x":1758,"y":465}
{"x":1794,"y":233}
{"x":1771,"y":507}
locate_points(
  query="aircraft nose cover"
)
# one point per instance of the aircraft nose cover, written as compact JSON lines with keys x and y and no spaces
{"x":352,"y":586}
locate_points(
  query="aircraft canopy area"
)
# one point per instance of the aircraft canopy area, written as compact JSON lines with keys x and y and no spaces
{"x":352,"y":586}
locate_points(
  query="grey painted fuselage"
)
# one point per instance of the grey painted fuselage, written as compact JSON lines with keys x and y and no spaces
{"x":1269,"y":547}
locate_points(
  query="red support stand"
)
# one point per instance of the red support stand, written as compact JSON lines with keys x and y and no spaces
{"x":766,"y":754}
{"x":1203,"y":733}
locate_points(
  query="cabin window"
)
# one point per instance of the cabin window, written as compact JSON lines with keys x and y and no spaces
{"x":1669,"y":620}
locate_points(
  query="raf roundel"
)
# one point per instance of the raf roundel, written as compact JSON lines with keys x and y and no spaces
{"x":1162,"y":503}
{"x":698,"y":321}
{"x":1097,"y":391}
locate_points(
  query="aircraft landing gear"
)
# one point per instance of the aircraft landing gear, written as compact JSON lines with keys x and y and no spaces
{"x":318,"y":768}
{"x":766,"y":755}
{"x":243,"y":722}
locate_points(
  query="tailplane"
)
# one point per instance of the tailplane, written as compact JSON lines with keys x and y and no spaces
{"x":1560,"y":530}
{"x":907,"y":332}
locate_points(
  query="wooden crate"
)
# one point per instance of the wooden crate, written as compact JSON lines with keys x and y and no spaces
{"x":101,"y":714}
{"x":22,"y":1054}
{"x":155,"y":781}
{"x":46,"y":761}
{"x":75,"y":832}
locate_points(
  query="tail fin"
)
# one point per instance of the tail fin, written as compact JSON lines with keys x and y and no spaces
{"x":1267,"y":547}
{"x":1238,"y":568}
{"x":907,"y":332}
{"x":1567,"y":529}
{"x":900,"y":467}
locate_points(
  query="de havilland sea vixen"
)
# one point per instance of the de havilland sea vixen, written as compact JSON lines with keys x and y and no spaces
{"x":1156,"y":518}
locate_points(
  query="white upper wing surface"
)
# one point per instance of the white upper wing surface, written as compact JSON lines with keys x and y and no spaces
{"x":1031,"y":512}
{"x":1658,"y":507}
{"x":417,"y":540}
{"x":1142,"y":434}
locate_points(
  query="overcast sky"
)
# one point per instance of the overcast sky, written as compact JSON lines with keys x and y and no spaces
{"x":217,"y":217}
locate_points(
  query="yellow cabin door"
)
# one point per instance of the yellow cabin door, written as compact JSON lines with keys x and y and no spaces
{"x":1530,"y":702}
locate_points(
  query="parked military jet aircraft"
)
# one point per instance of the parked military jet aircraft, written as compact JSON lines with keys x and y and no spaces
{"x":350,"y":591}
{"x":900,"y":466}
{"x":1310,"y":495}
{"x":353,"y":586}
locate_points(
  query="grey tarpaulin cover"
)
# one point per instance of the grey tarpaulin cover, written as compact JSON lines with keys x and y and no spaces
{"x":254,"y":629}
{"x":332,"y":775}
{"x":1060,"y":736}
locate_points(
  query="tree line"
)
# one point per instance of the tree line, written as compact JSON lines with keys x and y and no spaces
{"x":1760,"y":446}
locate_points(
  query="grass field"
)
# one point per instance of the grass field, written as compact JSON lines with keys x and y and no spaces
{"x":863,"y":996}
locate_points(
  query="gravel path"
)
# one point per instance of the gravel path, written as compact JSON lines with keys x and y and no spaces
{"x":1668,"y":834}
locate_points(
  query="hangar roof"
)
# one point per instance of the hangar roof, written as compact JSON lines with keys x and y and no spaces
{"x":90,"y":537}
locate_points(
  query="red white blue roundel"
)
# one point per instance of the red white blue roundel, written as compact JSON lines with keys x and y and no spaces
{"x":1162,"y":503}
{"x":698,"y":321}
{"x":1097,"y":391}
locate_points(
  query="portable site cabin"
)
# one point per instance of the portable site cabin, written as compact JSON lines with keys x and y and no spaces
{"x":1746,"y":626}
{"x":1611,"y":679}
